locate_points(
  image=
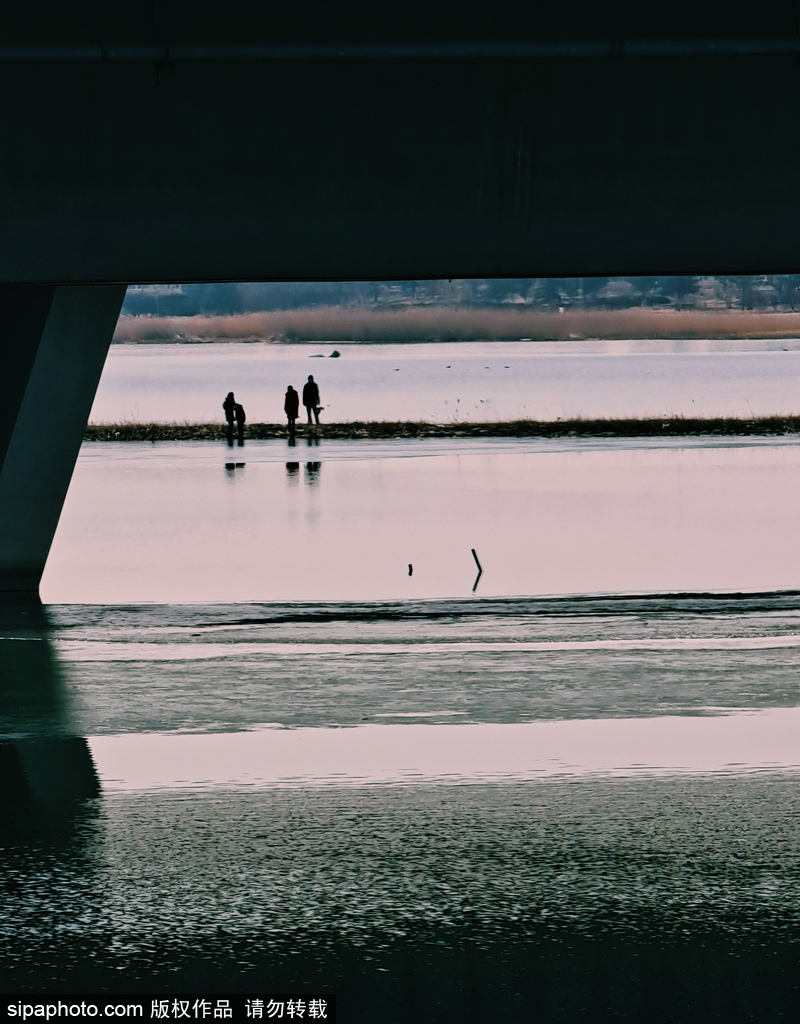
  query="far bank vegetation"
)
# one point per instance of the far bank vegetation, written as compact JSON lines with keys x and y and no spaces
{"x":674,"y":426}
{"x":428,"y":324}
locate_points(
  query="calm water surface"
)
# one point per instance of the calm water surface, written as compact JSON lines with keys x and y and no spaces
{"x":343,"y":521}
{"x":454,"y":381}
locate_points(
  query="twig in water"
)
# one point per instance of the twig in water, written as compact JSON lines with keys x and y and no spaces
{"x":480,"y":571}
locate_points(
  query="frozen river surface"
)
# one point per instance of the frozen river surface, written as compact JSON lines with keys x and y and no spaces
{"x":446,"y":382}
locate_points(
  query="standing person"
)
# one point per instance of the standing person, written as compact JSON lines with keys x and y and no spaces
{"x":311,"y":398}
{"x":241,"y":419}
{"x":229,"y":405}
{"x":291,"y":406}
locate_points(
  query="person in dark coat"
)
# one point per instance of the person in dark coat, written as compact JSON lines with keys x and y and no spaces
{"x":241,"y":419}
{"x":291,"y":406}
{"x":229,"y":405}
{"x":311,"y":398}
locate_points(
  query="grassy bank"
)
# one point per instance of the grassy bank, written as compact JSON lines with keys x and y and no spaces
{"x":427,"y":323}
{"x":676,"y":426}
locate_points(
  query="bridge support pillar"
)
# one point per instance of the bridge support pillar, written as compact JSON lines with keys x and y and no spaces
{"x":55,"y":342}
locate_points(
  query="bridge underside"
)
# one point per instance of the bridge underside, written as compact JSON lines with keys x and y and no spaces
{"x":165,"y":141}
{"x":156,"y":141}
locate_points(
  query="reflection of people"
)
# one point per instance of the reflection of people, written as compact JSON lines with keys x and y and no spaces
{"x":312,"y":472}
{"x":311,"y":398}
{"x":229,"y":405}
{"x":239,"y":416}
{"x":291,"y":406}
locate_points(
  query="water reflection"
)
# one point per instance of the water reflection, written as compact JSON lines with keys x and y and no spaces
{"x":415,"y":752}
{"x":293,"y":472}
{"x":50,"y":821}
{"x":548,"y":522}
{"x":43,"y":762}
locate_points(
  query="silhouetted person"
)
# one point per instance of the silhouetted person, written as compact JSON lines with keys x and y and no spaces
{"x":311,"y":398}
{"x":239,"y":416}
{"x":229,"y":405}
{"x":291,"y":406}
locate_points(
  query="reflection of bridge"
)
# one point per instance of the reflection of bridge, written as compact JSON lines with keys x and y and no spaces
{"x":42,"y":762}
{"x":148,"y":142}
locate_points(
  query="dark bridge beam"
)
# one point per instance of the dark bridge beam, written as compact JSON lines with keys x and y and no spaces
{"x":401,"y":50}
{"x":60,"y":346}
{"x":168,"y":141}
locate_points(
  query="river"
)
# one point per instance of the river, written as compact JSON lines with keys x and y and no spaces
{"x":449,"y":382}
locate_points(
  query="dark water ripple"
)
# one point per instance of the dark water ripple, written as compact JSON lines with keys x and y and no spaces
{"x":654,"y":859}
{"x":66,"y":616}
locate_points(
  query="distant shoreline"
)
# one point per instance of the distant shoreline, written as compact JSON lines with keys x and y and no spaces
{"x":675,"y":426}
{"x":342,"y":325}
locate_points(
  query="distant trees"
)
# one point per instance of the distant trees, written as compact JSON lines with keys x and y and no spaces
{"x":756,"y":292}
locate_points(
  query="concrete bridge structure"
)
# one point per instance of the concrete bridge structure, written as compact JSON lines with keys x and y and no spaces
{"x":162,"y":140}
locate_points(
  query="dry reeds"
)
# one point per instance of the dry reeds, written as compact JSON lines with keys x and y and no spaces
{"x":419,"y":324}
